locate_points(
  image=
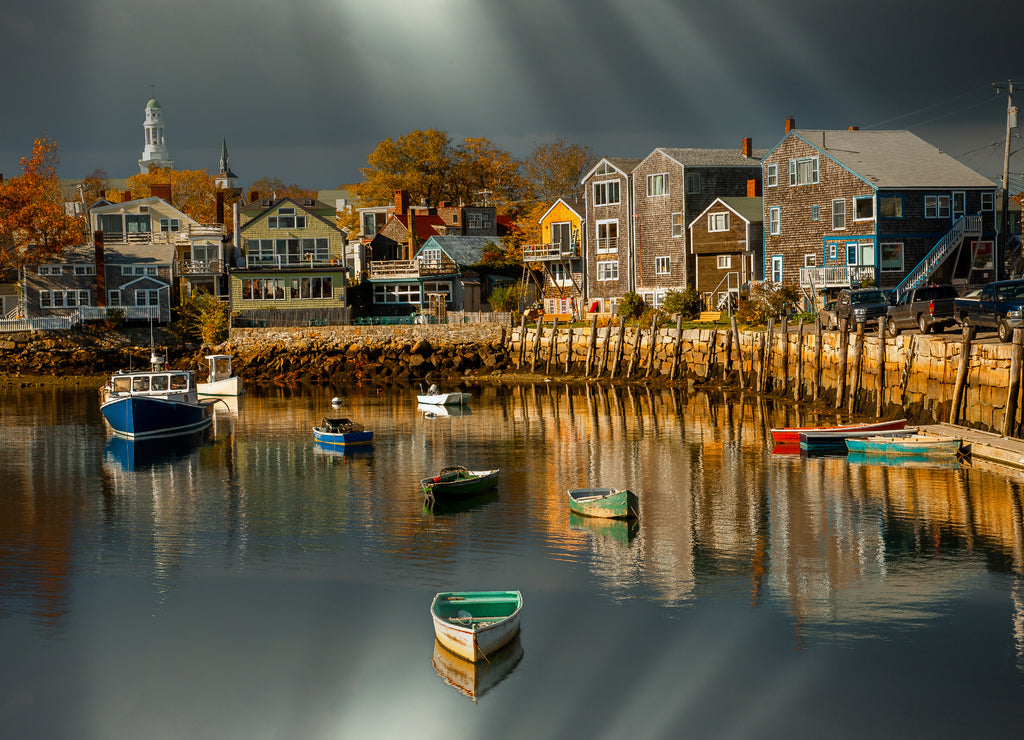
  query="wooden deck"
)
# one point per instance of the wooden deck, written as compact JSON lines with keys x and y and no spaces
{"x":984,"y":446}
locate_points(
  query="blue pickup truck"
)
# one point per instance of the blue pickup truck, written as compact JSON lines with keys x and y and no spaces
{"x":999,"y":306}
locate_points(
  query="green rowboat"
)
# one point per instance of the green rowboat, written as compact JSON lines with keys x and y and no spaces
{"x":475,"y":624}
{"x":458,"y":481}
{"x":607,"y":503}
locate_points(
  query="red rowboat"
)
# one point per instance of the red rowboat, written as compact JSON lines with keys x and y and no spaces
{"x":791,"y":435}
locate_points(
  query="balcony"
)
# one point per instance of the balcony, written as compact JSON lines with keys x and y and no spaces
{"x":183,"y":237}
{"x":410,"y":269}
{"x":198,"y":268}
{"x":548,"y":253}
{"x":835,"y":277}
{"x":291,"y":262}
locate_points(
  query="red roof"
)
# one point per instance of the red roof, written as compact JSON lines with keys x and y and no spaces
{"x":424,"y":225}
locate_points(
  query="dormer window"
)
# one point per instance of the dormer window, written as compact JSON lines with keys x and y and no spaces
{"x":286,"y":219}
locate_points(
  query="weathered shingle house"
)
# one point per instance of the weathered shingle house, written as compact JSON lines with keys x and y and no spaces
{"x":844,"y":207}
{"x":670,"y":187}
{"x":608,"y":262}
{"x":726,"y":242}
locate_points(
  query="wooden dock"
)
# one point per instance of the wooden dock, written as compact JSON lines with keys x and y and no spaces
{"x":987,"y":446}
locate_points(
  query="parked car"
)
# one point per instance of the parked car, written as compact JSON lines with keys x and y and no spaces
{"x":928,"y":308}
{"x":861,"y":305}
{"x":1000,"y":306}
{"x":827,"y":315}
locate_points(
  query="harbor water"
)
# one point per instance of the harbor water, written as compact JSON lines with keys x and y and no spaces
{"x":247,"y":583}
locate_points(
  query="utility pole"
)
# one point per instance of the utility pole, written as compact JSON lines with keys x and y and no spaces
{"x":1004,"y":226}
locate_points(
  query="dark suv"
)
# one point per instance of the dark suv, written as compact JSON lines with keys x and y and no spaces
{"x":861,"y":305}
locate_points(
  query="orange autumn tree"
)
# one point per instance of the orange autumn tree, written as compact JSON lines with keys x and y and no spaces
{"x":34,"y":223}
{"x":193,"y":192}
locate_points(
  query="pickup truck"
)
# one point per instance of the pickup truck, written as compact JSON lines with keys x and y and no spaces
{"x":999,"y":306}
{"x":928,"y":307}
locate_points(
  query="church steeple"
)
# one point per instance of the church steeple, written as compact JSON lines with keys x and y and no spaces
{"x":155,"y":153}
{"x":225,"y":179}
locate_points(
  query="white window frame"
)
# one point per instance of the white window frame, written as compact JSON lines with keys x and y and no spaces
{"x":442,"y":286}
{"x":64,"y":298}
{"x":810,"y":260}
{"x":603,"y":192}
{"x":560,"y":275}
{"x":857,"y":201}
{"x":607,"y":248}
{"x":677,"y":225}
{"x":113,"y":299}
{"x":607,"y":270}
{"x":663,"y":265}
{"x":657,"y":185}
{"x":832,"y":251}
{"x":311,"y":288}
{"x":775,"y":221}
{"x":800,"y":174}
{"x":718,"y":221}
{"x":839,"y":214}
{"x":776,"y":269}
{"x":85,"y":269}
{"x":51,"y":269}
{"x":892,"y":267}
{"x":771,"y":175}
{"x":939,"y":207}
{"x":384,"y":293}
{"x":170,"y":224}
{"x":988,"y":201}
{"x":147,"y":297}
{"x":724,"y":262}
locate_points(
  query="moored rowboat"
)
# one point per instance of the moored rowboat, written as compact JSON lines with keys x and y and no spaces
{"x":836,"y":440}
{"x":474,"y":624}
{"x":607,"y":503}
{"x":792,"y":434}
{"x":918,"y":445}
{"x":341,"y":433}
{"x":458,"y":480}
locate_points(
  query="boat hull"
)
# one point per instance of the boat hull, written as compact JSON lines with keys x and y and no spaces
{"x":482,"y":480}
{"x":916,"y":446}
{"x":492,"y":621}
{"x":342,"y":439}
{"x":444,"y":399}
{"x":475,"y":678}
{"x":833,"y":440}
{"x":143,"y":417}
{"x":604,"y":503}
{"x":228,"y":387}
{"x":791,"y":435}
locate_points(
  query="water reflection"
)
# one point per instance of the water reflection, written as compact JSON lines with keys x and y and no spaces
{"x":622,"y":531}
{"x":132,"y":455}
{"x":473,"y":680}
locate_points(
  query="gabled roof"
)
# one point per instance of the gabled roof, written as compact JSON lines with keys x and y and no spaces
{"x":260,"y":209}
{"x":129,"y":205}
{"x":712,"y":157}
{"x":425,"y":224}
{"x":575,"y":205}
{"x":625,"y":165}
{"x":749,"y":209}
{"x":463,"y":250}
{"x":119,"y":254}
{"x":892,"y":159}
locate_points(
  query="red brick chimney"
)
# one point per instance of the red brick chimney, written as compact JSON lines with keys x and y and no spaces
{"x":753,"y":188}
{"x":126,"y":195}
{"x":220,"y":207}
{"x":254,"y":195}
{"x":790,"y":124}
{"x":101,"y":275}
{"x":413,"y":241}
{"x":161,"y":190}
{"x":748,"y":147}
{"x":401,"y":202}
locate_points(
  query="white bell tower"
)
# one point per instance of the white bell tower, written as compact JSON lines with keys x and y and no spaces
{"x":155,"y":153}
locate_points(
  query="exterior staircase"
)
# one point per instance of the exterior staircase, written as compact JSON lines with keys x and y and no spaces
{"x":964,"y":227}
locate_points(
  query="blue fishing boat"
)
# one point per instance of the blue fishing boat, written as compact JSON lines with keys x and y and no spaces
{"x":341,"y":433}
{"x":158,"y":402}
{"x":834,"y":440}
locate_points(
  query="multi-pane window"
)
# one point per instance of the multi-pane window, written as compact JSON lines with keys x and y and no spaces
{"x":402,"y":293}
{"x":839,"y":214}
{"x":263,"y":289}
{"x":138,"y":270}
{"x":863,"y":208}
{"x":606,"y":193}
{"x":63,"y":298}
{"x":169,"y":224}
{"x":318,"y":248}
{"x":306,"y":288}
{"x":987,"y":201}
{"x":560,"y":274}
{"x":777,"y":268}
{"x":478,"y":220}
{"x":51,"y":269}
{"x":657,"y":184}
{"x":890,"y":206}
{"x":803,"y":171}
{"x":85,"y":269}
{"x":113,"y":298}
{"x":724,"y":261}
{"x":662,"y":266}
{"x":608,"y":270}
{"x":775,"y":220}
{"x":771,"y":175}
{"x":718,"y":221}
{"x":431,"y":257}
{"x":137,"y":223}
{"x":815,"y":213}
{"x":145,"y":297}
{"x":692,"y":183}
{"x":286,"y":218}
{"x":677,"y":224}
{"x":936,"y":206}
{"x":607,"y":236}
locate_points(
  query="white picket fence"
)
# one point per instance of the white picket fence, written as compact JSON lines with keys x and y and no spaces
{"x":64,"y":322}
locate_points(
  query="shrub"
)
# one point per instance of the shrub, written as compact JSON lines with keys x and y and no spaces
{"x":506,"y":297}
{"x":201,"y":316}
{"x":631,"y":306}
{"x":766,"y":300}
{"x":686,"y":302}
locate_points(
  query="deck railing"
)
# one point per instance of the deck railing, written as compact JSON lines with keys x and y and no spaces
{"x":965,"y":226}
{"x":839,"y":276}
{"x":64,"y":322}
{"x":546,"y":252}
{"x":398,"y":269}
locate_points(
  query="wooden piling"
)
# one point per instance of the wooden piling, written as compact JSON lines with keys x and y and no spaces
{"x":739,"y":349}
{"x":816,"y":377}
{"x":712,"y":347}
{"x":536,"y":346}
{"x":552,"y":346}
{"x":522,"y":341}
{"x":798,"y":386}
{"x":676,"y":350}
{"x":784,"y":371}
{"x":908,"y":363}
{"x":591,"y":347}
{"x":568,"y":353}
{"x":654,"y":344}
{"x":858,"y":358}
{"x":844,"y":345}
{"x":880,"y":386}
{"x":766,"y":357}
{"x":1010,"y":417}
{"x":961,"y":374}
{"x":607,"y":346}
{"x":617,"y":356}
{"x":726,"y":364}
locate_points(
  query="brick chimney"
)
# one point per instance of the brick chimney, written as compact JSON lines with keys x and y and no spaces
{"x":747,"y":146}
{"x":254,"y":195}
{"x":161,"y":190}
{"x":401,"y":202}
{"x":220,"y":207}
{"x":790,"y":124}
{"x":412,"y":232}
{"x":126,"y":195}
{"x":101,"y":275}
{"x":854,"y":128}
{"x":753,"y":188}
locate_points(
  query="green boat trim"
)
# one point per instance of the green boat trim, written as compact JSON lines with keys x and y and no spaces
{"x":606,"y":503}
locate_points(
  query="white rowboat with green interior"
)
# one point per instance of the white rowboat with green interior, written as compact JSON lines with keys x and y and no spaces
{"x":474,"y":624}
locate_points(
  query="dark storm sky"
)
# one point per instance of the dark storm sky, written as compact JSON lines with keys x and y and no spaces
{"x":303,"y":90}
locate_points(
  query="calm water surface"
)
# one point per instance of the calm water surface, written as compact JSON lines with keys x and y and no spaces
{"x":250,"y":585}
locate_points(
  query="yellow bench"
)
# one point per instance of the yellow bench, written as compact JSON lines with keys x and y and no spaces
{"x":710,"y":316}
